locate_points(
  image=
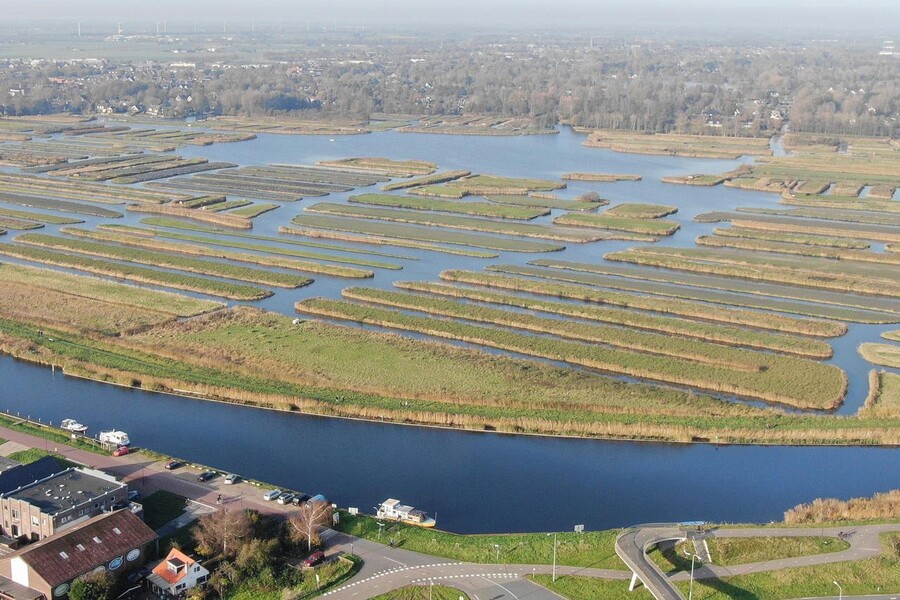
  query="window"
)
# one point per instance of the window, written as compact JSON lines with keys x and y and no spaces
{"x":15,"y":514}
{"x":35,"y":521}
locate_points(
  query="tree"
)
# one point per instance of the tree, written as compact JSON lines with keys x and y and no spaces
{"x":222,"y":531}
{"x":93,"y":586}
{"x":305,"y":525}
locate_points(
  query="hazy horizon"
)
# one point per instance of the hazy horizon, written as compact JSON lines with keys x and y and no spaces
{"x":867,"y":16}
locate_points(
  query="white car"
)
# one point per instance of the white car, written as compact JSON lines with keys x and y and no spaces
{"x":230,"y":479}
{"x":271,"y":495}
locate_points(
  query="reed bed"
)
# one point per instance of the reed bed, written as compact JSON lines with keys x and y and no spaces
{"x":163,"y":259}
{"x":101,"y":290}
{"x":203,"y":216}
{"x":60,"y":205}
{"x":228,"y":205}
{"x":140,"y":274}
{"x":887,"y":355}
{"x":616,"y":337}
{"x":313,"y":174}
{"x":851,"y":278}
{"x":196,"y":186}
{"x":718,"y":333}
{"x":738,"y":243}
{"x":480,"y":209}
{"x":141,"y":241}
{"x":251,"y":357}
{"x":701,"y":146}
{"x":648,"y":227}
{"x":201,"y":201}
{"x":181,"y":169}
{"x":386,"y":166}
{"x":426,"y":180}
{"x":849,"y":216}
{"x":881,"y":506}
{"x":848,"y":230}
{"x":157,"y":222}
{"x":831,"y":202}
{"x":821,"y":304}
{"x":422,"y":234}
{"x":38,"y":217}
{"x":83,"y":191}
{"x":542,"y":201}
{"x":488,"y":185}
{"x":454,"y":222}
{"x":792,"y":238}
{"x":600,"y":177}
{"x":384,"y":241}
{"x":640,"y":210}
{"x":819,"y":387}
{"x":694,"y":310}
{"x":697,"y":179}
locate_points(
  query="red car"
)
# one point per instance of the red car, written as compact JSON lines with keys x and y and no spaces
{"x":314,"y":558}
{"x":121,"y":451}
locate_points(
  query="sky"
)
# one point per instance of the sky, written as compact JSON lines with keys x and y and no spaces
{"x":827,"y":15}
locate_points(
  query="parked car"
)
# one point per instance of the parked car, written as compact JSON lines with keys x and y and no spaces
{"x":137,"y":576}
{"x":231,"y":479}
{"x":121,"y":451}
{"x":133,"y":495}
{"x":173,"y":464}
{"x":299,"y":499}
{"x":314,"y":558}
{"x":285,"y":498}
{"x":206,"y":475}
{"x":271,"y":495}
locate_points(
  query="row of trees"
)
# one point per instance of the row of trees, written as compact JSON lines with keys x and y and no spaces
{"x":652,"y":86}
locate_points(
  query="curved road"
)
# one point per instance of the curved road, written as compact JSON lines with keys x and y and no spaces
{"x":385,"y":569}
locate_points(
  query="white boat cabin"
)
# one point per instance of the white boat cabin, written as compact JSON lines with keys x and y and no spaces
{"x":392,"y":509}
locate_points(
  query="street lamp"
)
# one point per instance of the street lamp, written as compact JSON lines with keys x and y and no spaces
{"x":691,"y":588}
{"x":497,"y":550}
{"x":554,"y":556}
{"x":840,"y":589}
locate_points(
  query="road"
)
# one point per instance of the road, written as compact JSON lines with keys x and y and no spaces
{"x":385,"y":569}
{"x":633,"y":544}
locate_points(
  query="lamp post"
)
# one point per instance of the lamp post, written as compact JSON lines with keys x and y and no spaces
{"x":840,"y":589}
{"x":497,"y":551}
{"x":691,"y":587}
{"x":554,"y":556}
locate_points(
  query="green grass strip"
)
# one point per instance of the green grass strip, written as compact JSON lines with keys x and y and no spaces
{"x":107,"y":291}
{"x":383,"y":241}
{"x":742,"y":265}
{"x":184,"y":226}
{"x":722,"y":290}
{"x":640,"y":210}
{"x":791,"y":238}
{"x":254,"y":210}
{"x":542,"y":202}
{"x":724,"y":334}
{"x":140,"y":274}
{"x":138,"y":241}
{"x":617,"y":337}
{"x":426,"y":180}
{"x":19,"y":224}
{"x":60,"y":205}
{"x":454,"y":222}
{"x":641,"y":226}
{"x":850,"y":216}
{"x":162,"y":259}
{"x":423,"y":234}
{"x":38,"y":217}
{"x":479,"y":209}
{"x":795,"y":382}
{"x":683,"y":308}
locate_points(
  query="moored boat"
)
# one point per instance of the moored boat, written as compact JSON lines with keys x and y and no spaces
{"x":119,"y":438}
{"x":73,"y":426}
{"x":392,"y":510}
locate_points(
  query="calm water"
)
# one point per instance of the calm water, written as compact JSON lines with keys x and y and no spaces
{"x":477,"y":482}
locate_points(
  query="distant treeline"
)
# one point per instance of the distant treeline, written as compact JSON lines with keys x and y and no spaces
{"x":648,"y":86}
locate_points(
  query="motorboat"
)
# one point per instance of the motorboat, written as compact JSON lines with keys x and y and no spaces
{"x":73,"y":426}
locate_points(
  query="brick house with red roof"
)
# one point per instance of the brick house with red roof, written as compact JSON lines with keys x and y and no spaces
{"x":114,"y":542}
{"x":175,"y":575}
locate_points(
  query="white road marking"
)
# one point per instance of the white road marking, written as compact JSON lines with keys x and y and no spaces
{"x":501,"y":587}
